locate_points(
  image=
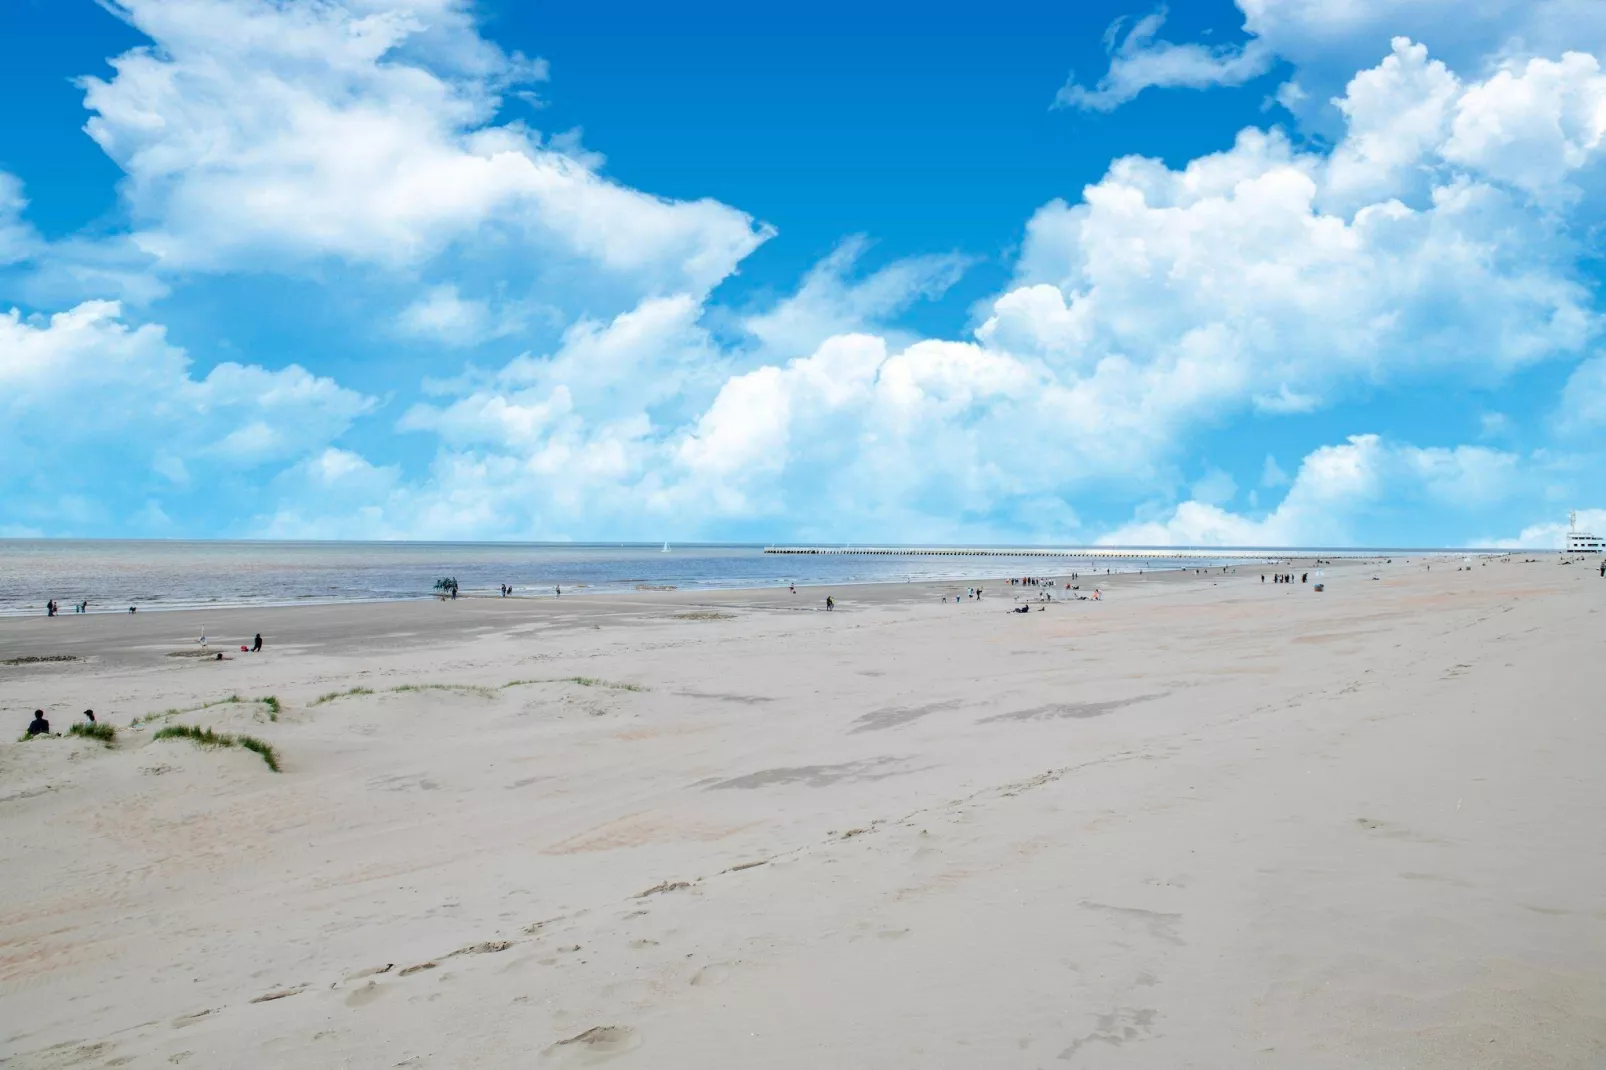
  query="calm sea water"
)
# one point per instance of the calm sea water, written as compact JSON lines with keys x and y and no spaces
{"x":179,"y":575}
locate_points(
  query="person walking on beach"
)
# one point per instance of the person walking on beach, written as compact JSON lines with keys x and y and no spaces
{"x":256,"y":645}
{"x":830,"y":603}
{"x":38,"y":726}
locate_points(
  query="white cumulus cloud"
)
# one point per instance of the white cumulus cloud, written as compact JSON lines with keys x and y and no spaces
{"x":1344,"y":495}
{"x":266,"y":133}
{"x":90,"y":405}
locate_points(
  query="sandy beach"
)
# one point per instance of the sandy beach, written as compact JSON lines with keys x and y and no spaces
{"x":1207,"y":821}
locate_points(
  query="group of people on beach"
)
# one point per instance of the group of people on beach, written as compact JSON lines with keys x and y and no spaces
{"x":53,"y":607}
{"x":1285,"y":577}
{"x":41,"y":727}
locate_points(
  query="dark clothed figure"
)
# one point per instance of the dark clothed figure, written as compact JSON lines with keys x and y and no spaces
{"x":39,"y":726}
{"x":257,"y":644}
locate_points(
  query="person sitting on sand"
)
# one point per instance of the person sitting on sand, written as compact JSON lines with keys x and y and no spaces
{"x":256,"y":647}
{"x":90,"y":715}
{"x":39,"y":726}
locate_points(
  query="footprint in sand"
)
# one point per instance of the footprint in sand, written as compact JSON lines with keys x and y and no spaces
{"x":365,"y":995}
{"x":712,"y":974}
{"x":599,"y":1040}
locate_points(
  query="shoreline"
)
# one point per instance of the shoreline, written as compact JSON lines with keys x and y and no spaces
{"x":610,"y":591}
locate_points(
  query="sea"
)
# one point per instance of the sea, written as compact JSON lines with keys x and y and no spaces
{"x":156,"y":575}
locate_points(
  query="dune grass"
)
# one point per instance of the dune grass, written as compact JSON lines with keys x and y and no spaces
{"x":352,"y":692}
{"x":105,"y":733}
{"x":477,"y":689}
{"x":592,"y":681}
{"x":262,"y":749}
{"x":468,"y":689}
{"x":271,"y":702}
{"x":332,"y":695}
{"x":205,"y":737}
{"x":583,"y":681}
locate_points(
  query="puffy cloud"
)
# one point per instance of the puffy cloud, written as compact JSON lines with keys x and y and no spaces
{"x":1344,"y":495}
{"x":1139,"y":61}
{"x":1232,"y":280}
{"x":937,"y":439}
{"x":93,"y":409}
{"x":1327,"y":40}
{"x":1533,"y":125}
{"x":1397,"y":115}
{"x":256,"y":132}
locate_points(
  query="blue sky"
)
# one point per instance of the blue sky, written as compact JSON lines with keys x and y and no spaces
{"x":1270,"y":272}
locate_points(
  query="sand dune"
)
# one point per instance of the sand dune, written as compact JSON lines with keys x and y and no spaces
{"x":1205,"y":822}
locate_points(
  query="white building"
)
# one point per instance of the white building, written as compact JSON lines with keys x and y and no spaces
{"x":1582,"y":542}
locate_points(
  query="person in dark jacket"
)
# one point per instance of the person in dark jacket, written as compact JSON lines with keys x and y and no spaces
{"x":39,"y":726}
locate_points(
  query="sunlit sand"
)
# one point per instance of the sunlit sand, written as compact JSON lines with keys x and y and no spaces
{"x":1206,"y":821}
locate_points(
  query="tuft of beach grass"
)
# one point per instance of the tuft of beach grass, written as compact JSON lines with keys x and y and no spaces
{"x":330,"y":696}
{"x":174,"y":711}
{"x":583,"y":681}
{"x":263,"y":749}
{"x":205,"y":737}
{"x":104,"y":733}
{"x":592,"y":681}
{"x":467,"y":689}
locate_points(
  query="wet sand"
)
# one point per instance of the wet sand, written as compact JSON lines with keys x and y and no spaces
{"x":1203,"y":822}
